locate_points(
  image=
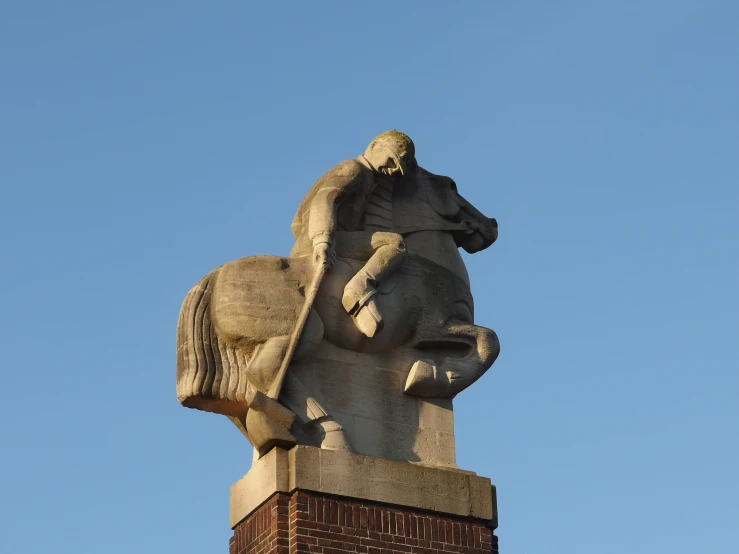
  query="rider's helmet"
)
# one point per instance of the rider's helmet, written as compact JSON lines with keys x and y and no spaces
{"x":399,"y":145}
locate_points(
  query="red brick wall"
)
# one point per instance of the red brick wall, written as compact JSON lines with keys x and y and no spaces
{"x":312,"y":523}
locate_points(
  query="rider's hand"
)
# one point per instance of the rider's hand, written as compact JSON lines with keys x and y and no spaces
{"x":324,"y":254}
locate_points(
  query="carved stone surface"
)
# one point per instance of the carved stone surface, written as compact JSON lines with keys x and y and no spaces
{"x":448,"y":491}
{"x":359,"y":340}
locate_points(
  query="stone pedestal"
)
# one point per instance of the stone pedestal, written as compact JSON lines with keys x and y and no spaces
{"x":310,"y":500}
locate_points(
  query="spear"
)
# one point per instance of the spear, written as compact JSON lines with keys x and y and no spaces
{"x":310,"y":296}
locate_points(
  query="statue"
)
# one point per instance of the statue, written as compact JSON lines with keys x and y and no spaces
{"x":360,"y":338}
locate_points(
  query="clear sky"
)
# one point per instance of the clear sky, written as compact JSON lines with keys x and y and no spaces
{"x":142,"y":144}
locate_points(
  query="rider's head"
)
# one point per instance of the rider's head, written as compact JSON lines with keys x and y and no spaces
{"x":391,"y":153}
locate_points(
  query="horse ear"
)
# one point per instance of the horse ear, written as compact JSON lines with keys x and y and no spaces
{"x":452,"y":184}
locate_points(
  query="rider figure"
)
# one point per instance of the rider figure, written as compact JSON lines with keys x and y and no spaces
{"x":348,"y":212}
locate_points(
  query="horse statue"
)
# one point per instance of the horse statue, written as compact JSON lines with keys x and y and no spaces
{"x":254,"y":324}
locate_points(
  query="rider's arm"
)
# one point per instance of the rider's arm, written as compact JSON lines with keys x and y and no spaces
{"x":336,"y":187}
{"x":322,"y":218}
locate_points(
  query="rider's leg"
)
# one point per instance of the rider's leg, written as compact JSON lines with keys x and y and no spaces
{"x":384,"y":252}
{"x":389,"y":253}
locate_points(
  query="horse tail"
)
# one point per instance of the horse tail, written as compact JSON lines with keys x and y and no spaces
{"x":211,"y":375}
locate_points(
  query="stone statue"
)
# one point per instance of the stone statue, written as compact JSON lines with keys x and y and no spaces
{"x":359,"y":340}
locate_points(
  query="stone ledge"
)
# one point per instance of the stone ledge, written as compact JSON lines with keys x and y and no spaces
{"x":339,"y":473}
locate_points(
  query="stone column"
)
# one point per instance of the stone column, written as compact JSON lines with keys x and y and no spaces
{"x":314,"y":501}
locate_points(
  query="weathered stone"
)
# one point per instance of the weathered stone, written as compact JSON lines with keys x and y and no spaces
{"x":360,"y":339}
{"x":337,"y":473}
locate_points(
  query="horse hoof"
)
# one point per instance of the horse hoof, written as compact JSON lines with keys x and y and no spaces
{"x":334,"y":436}
{"x":425,"y":379}
{"x":265,"y":433}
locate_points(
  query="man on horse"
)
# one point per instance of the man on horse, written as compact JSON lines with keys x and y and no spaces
{"x":254,"y":316}
{"x":348,"y":212}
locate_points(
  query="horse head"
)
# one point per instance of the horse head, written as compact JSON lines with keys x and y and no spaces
{"x":432,"y":202}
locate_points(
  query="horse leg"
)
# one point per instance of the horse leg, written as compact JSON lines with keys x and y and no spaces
{"x":268,"y":356}
{"x":275,"y":429}
{"x":318,"y":426}
{"x":455,"y":373}
{"x":268,"y":422}
{"x":464,"y":371}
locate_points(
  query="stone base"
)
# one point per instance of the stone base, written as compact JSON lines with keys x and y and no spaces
{"x":326,"y":502}
{"x":308,"y":522}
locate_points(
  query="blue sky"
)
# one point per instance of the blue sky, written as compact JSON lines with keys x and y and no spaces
{"x":144,"y":143}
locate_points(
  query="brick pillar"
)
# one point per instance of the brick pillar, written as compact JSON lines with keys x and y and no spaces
{"x":308,"y":522}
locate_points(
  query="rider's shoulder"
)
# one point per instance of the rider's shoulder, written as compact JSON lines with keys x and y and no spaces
{"x":351,"y":167}
{"x":347,"y":171}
